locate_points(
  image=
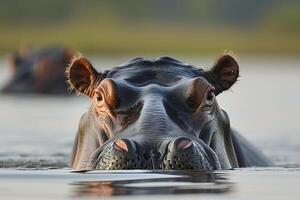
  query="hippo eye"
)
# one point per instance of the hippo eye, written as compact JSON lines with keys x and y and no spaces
{"x":210,"y":95}
{"x":99,"y":96}
{"x":209,"y":101}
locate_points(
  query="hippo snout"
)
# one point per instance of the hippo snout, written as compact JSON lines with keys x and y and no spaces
{"x":180,"y":153}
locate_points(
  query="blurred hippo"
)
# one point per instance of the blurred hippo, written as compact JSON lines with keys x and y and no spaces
{"x":158,"y":114}
{"x":40,"y":71}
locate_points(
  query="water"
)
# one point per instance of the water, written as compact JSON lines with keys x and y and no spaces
{"x":37,"y":135}
{"x":239,"y":184}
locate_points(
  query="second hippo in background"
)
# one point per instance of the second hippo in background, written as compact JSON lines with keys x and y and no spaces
{"x":38,"y":71}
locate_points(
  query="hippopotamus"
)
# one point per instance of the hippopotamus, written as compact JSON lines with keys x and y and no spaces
{"x":158,"y":114}
{"x":40,"y":71}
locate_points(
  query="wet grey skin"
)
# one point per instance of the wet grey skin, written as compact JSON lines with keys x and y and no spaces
{"x":38,"y":71}
{"x":158,"y":114}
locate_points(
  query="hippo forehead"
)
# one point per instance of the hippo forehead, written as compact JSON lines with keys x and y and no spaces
{"x":162,"y":70}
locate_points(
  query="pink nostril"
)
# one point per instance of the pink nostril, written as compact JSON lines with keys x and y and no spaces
{"x":121,"y":145}
{"x":184,"y":144}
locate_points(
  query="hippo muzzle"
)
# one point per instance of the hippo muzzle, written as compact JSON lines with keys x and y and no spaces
{"x":181,"y":153}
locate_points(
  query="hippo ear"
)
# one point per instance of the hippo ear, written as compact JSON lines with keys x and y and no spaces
{"x":224,"y":73}
{"x":82,"y":77}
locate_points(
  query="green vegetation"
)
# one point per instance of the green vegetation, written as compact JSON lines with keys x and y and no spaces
{"x":148,"y":40}
{"x":136,"y":27}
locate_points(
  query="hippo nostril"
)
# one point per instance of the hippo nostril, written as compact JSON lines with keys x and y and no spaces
{"x":181,"y":143}
{"x":184,"y":144}
{"x":121,"y":145}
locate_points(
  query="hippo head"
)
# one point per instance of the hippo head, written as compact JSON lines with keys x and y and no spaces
{"x":153,"y":114}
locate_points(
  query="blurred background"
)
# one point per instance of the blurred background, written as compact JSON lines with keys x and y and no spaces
{"x":38,"y":131}
{"x":190,"y":27}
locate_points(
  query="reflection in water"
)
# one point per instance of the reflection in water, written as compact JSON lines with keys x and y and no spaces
{"x":184,"y":182}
